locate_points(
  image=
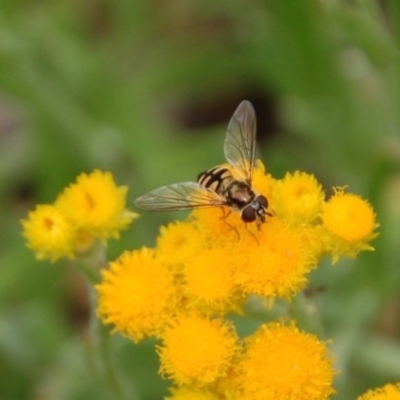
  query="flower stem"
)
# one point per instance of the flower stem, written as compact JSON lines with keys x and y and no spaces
{"x":99,"y":356}
{"x":98,"y":343}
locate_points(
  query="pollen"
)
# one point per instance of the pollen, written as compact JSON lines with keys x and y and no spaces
{"x":136,"y":294}
{"x":49,"y":233}
{"x":387,"y":392}
{"x":96,"y":205}
{"x":196,"y":350}
{"x":349,"y":217}
{"x":281,"y":362}
{"x":298,"y":198}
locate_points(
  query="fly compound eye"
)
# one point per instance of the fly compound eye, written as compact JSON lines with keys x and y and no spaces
{"x":248,"y":214}
{"x":262,"y":200}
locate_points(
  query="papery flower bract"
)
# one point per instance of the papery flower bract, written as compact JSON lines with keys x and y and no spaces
{"x":191,"y":393}
{"x":387,"y":392}
{"x":96,"y":205}
{"x":49,"y":233}
{"x":280,"y":362}
{"x":137,"y":294}
{"x":298,"y":198}
{"x":197,"y":350}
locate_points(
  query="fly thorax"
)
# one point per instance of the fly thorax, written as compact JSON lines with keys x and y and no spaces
{"x":239,"y":194}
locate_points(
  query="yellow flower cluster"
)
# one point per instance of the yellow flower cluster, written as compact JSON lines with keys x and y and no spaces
{"x":205,"y":267}
{"x":92,"y":208}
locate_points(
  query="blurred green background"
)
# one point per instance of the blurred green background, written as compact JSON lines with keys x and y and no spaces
{"x":145,"y":89}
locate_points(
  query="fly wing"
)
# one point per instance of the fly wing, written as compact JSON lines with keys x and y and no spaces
{"x":240,"y":140}
{"x":179,"y":196}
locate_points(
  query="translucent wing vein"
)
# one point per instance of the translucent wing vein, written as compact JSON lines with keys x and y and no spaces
{"x":240,"y":140}
{"x":179,"y":196}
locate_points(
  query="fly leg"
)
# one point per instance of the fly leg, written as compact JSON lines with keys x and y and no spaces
{"x":224,"y":217}
{"x":252,"y":234}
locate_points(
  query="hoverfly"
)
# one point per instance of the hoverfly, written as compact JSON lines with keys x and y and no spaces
{"x":217,"y":187}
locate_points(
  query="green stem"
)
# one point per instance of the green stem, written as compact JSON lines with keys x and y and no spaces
{"x":98,"y":345}
{"x":99,"y":355}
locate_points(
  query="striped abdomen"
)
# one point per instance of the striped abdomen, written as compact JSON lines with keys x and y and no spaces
{"x":216,"y":179}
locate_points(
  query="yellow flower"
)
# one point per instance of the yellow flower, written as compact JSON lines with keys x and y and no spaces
{"x":137,"y":294}
{"x":178,"y":242}
{"x":49,"y":233}
{"x":298,"y":198}
{"x":387,"y":392}
{"x":196,"y":350}
{"x":94,"y":204}
{"x":210,"y":281}
{"x":280,"y":362}
{"x":190,"y":393}
{"x":348,"y":216}
{"x":349,"y":222}
{"x":279,"y":264}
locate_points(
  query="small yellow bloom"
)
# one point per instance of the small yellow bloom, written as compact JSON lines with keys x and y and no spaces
{"x":137,"y":294}
{"x":178,"y":242}
{"x":220,"y":226}
{"x":349,"y":217}
{"x":387,"y":392}
{"x":49,"y":233}
{"x":278,"y":266}
{"x":197,"y":350}
{"x":349,"y":223}
{"x":94,"y":204}
{"x":298,"y":198}
{"x":191,"y":393}
{"x":209,"y":279}
{"x":280,"y":362}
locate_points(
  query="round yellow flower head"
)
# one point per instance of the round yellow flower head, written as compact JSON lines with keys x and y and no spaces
{"x":348,"y":216}
{"x":387,"y":392}
{"x":96,"y":205}
{"x":178,"y":242}
{"x":197,"y":350}
{"x":349,"y":223}
{"x":49,"y":233}
{"x":280,"y":362}
{"x":298,"y":198}
{"x":278,"y":266}
{"x":209,"y":280}
{"x":137,"y":294}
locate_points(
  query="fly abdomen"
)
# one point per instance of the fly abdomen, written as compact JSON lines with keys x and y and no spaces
{"x":215,"y":179}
